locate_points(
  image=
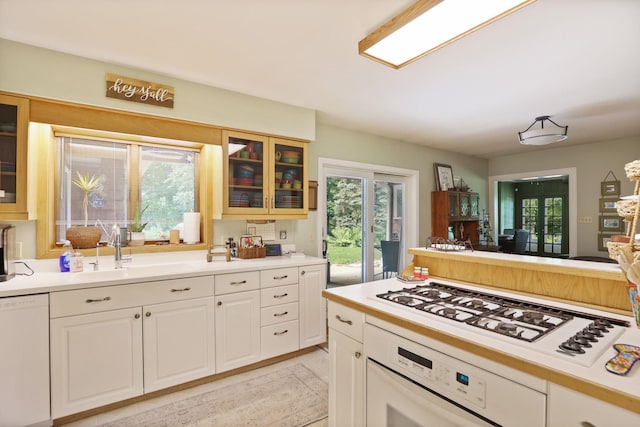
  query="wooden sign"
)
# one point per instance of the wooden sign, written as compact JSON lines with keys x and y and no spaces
{"x":134,"y":90}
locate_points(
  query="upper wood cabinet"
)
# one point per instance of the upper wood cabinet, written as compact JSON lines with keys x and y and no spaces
{"x":264,"y":177}
{"x":458,"y":210}
{"x":14,"y":124}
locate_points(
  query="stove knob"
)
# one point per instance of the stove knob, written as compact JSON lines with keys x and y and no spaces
{"x":586,"y":334}
{"x":582,"y":341}
{"x":593,"y":330}
{"x":604,"y":322}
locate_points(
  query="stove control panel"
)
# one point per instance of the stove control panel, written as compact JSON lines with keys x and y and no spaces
{"x":442,"y":378}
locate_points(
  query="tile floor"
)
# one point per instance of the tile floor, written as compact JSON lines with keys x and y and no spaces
{"x":317,"y":361}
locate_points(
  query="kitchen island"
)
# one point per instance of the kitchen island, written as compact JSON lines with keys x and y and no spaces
{"x":562,"y":383}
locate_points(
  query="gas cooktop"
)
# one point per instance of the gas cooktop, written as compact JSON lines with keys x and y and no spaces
{"x":577,"y":336}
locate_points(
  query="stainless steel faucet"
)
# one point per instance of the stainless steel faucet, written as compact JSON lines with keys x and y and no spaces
{"x":119,"y":258}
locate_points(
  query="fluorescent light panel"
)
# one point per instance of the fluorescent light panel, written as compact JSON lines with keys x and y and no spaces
{"x":429,"y":25}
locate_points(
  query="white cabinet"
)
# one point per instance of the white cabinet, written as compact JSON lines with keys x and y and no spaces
{"x":97,"y":351}
{"x":178,"y":342}
{"x":346,"y":367}
{"x":96,"y":359}
{"x":568,"y":408}
{"x":313,"y":309}
{"x":237,"y":329}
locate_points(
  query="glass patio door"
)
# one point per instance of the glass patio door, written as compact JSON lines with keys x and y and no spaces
{"x":362,"y":209}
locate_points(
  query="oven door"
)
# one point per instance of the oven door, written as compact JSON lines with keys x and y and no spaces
{"x":394,"y":401}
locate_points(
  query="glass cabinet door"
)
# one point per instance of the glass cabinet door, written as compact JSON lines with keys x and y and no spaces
{"x":475,"y":205}
{"x":453,"y":205}
{"x":13,"y":153}
{"x":465,"y":205}
{"x":247,"y":189}
{"x":289,"y":176}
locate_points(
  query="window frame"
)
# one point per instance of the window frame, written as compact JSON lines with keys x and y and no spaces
{"x":46,"y":115}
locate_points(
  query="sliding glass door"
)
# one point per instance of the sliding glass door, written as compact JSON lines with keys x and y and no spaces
{"x":364,"y":211}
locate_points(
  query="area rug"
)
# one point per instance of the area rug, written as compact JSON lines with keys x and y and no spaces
{"x":293,"y":396}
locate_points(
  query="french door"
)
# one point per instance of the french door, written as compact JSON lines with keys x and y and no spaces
{"x":545,"y":218}
{"x":362,"y":209}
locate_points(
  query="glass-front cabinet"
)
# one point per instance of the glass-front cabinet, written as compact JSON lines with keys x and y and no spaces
{"x":264,"y":176}
{"x":14,"y":122}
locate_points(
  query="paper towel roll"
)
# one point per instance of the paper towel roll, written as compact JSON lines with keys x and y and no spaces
{"x":191,"y":222}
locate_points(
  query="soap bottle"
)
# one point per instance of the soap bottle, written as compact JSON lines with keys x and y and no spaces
{"x":76,"y":265}
{"x":65,"y":257}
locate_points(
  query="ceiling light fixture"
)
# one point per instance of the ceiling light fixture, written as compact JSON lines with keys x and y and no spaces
{"x":542,"y":135}
{"x":428,"y":25}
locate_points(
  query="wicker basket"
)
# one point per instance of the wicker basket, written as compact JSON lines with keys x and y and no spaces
{"x":632,"y":169}
{"x":248,"y":253}
{"x":84,"y":237}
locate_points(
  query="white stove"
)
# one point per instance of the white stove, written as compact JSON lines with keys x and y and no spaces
{"x":578,"y":337}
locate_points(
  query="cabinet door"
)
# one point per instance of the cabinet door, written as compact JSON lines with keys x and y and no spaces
{"x":475,"y":205}
{"x":346,"y":381}
{"x":465,"y":205}
{"x":178,"y":342}
{"x":290,"y":181}
{"x":14,"y":122}
{"x":96,"y":359}
{"x":237,"y":330}
{"x":313,"y":312}
{"x":568,"y":408}
{"x":245,"y":173}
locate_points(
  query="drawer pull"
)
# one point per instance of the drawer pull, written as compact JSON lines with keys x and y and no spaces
{"x":302,"y":273}
{"x":280,"y":277}
{"x":181,"y":290}
{"x":348,"y":322}
{"x":587,"y":424}
{"x":148,"y":314}
{"x":238,"y":283}
{"x":357,"y":354}
{"x":281,"y":296}
{"x":280,"y":314}
{"x":137,"y":316}
{"x":281,"y":333}
{"x":89,"y":301}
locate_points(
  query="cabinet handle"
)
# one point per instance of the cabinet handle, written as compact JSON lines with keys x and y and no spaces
{"x":89,"y":301}
{"x":272,"y":198}
{"x":181,"y":290}
{"x":357,"y":354}
{"x":281,"y":333}
{"x":281,"y":296}
{"x":219,"y":303}
{"x":302,"y":273}
{"x":137,"y":316}
{"x":238,"y":283}
{"x":348,"y":322}
{"x":148,"y":314}
{"x":587,"y":424}
{"x":280,"y":314}
{"x":280,"y":277}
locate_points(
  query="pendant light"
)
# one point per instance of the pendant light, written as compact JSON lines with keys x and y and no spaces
{"x":541,"y":135}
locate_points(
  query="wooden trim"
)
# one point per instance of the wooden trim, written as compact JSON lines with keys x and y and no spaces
{"x":88,"y":117}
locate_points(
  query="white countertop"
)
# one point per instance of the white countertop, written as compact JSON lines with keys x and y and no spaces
{"x":554,"y":368}
{"x":143,"y":268}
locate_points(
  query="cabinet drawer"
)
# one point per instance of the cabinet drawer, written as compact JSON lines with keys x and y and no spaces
{"x":346,"y":320}
{"x":237,"y":282}
{"x":278,"y":314}
{"x":279,"y":295}
{"x":279,"y":339}
{"x":278,"y":277}
{"x":83,"y":301}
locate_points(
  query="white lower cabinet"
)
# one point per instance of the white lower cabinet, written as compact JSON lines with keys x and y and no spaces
{"x":178,"y":342}
{"x":346,"y":367}
{"x":312,"y":281}
{"x":96,"y":359}
{"x":569,"y":408}
{"x":237,"y":329}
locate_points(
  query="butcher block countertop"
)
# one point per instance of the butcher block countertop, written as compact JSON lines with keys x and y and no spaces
{"x":593,"y":284}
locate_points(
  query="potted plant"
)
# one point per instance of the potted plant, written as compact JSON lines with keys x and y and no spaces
{"x":87,"y":236}
{"x":137,"y":226}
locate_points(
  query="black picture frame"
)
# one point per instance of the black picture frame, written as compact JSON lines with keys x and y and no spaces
{"x":608,"y":205}
{"x":603,"y":238}
{"x":610,"y":188}
{"x":444,"y":177}
{"x":611,"y":224}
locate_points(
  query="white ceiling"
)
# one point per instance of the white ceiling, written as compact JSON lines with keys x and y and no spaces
{"x":576,"y":60}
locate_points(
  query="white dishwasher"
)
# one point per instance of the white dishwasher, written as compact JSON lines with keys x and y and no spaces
{"x":24,"y":361}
